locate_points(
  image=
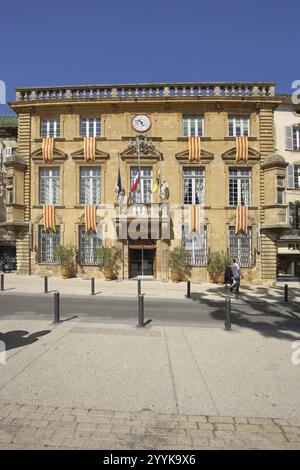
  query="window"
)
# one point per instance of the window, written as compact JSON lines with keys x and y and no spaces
{"x":50,"y":128}
{"x":143,"y":194}
{"x":296,"y":138}
{"x":90,"y":186}
{"x":280,"y":190}
{"x":88,"y":242}
{"x":9,"y":151}
{"x":193,"y":126}
{"x":297,"y":176}
{"x":49,"y":186}
{"x":193,"y":186}
{"x":240,"y":247}
{"x":90,"y":127}
{"x":292,"y":137}
{"x":10,"y":190}
{"x":238,"y":126}
{"x":48,"y":241}
{"x":240,"y":187}
{"x":293,"y":176}
{"x":196,"y":246}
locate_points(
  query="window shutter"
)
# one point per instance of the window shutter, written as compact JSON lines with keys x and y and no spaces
{"x":289,"y":137}
{"x":291,"y":178}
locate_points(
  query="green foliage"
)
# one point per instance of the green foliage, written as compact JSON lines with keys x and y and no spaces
{"x":108,"y":257}
{"x":217,"y":261}
{"x":65,"y":255}
{"x":179,"y":260}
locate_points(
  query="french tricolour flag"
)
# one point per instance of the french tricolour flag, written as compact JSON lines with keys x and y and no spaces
{"x":135,"y":182}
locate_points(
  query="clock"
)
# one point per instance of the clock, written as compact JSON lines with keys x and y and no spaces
{"x":141,"y":123}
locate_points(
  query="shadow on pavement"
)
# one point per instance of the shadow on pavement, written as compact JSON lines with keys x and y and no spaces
{"x":18,"y":338}
{"x":273,"y":318}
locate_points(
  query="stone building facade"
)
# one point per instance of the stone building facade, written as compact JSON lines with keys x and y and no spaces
{"x":8,"y":149}
{"x":287,"y":142}
{"x":164,"y":116}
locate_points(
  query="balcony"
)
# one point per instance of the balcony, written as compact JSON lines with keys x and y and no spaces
{"x":146,"y":91}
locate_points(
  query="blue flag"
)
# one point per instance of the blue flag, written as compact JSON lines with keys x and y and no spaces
{"x":119,"y":184}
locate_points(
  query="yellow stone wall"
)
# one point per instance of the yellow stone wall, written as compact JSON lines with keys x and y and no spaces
{"x":166,"y":132}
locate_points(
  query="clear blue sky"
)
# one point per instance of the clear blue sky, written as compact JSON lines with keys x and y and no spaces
{"x":63,"y":42}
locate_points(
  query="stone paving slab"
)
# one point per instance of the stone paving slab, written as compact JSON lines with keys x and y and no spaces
{"x":27,"y":427}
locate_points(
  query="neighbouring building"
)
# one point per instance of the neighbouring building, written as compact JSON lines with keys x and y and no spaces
{"x":166,"y":116}
{"x":8,"y":149}
{"x":287,"y":126}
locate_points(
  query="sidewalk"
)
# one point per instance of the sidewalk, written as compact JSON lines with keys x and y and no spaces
{"x":152,"y":288}
{"x":81,"y":385}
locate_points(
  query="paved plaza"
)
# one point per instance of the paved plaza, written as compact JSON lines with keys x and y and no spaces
{"x":95,"y":385}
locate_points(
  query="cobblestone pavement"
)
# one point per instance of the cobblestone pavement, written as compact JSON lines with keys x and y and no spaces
{"x":42,"y":427}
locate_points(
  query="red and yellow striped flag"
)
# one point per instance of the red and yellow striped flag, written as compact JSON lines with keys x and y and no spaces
{"x":194,"y":218}
{"x":242,"y":149}
{"x":194,"y":149}
{"x":49,"y":217}
{"x":241,"y":225}
{"x":89,"y":148}
{"x":47,"y":149}
{"x":90,"y":218}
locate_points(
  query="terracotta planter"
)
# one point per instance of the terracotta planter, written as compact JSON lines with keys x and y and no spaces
{"x":176,"y":276}
{"x":109,"y":274}
{"x":66,"y":272}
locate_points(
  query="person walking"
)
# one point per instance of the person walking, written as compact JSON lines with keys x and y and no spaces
{"x":228,"y":276}
{"x":236,"y":274}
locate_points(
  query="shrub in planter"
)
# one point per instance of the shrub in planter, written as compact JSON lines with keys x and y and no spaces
{"x":66,"y":257}
{"x":108,"y":260}
{"x":217,"y":261}
{"x":179,"y":264}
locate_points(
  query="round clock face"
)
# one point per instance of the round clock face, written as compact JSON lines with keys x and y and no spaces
{"x":141,"y":123}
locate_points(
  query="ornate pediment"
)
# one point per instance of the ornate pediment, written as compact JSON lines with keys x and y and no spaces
{"x":230,"y":155}
{"x":150,"y":152}
{"x":205,"y":156}
{"x":58,"y":155}
{"x":99,"y":155}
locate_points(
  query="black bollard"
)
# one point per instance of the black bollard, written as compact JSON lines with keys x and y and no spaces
{"x":141,"y":310}
{"x":286,"y":293}
{"x":188,"y":289}
{"x":139,"y":284}
{"x":228,"y":314}
{"x":2,"y":281}
{"x":92,"y":286}
{"x":45,"y":284}
{"x":56,"y":307}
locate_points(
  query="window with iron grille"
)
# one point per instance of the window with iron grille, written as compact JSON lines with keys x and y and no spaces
{"x":193,"y":186}
{"x":240,"y":247}
{"x":90,"y":127}
{"x":88,"y":243}
{"x":48,"y":241}
{"x":49,"y":186}
{"x":90,"y":186}
{"x":238,"y":126}
{"x":195,"y":245}
{"x":193,"y":126}
{"x":240,"y":187}
{"x":50,"y":128}
{"x":143,"y":194}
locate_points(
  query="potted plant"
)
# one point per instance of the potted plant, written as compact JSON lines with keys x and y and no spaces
{"x":217,"y":261}
{"x":66,"y":256}
{"x":108,"y":260}
{"x":179,"y":264}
